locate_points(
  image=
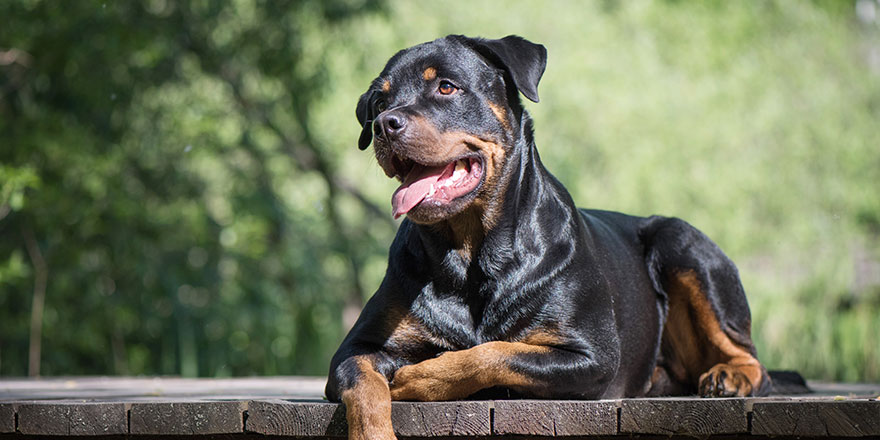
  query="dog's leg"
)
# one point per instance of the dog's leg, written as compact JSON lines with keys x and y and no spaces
{"x":534,"y":370}
{"x":706,"y":341}
{"x":367,"y":400}
{"x":733,"y":369}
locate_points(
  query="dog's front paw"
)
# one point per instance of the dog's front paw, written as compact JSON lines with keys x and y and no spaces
{"x":413,"y":382}
{"x":724,"y":380}
{"x":434,"y":379}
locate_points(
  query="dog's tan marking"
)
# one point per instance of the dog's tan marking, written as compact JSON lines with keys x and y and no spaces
{"x":701,"y":350}
{"x":471,"y":226}
{"x":458,"y":374}
{"x":429,"y":74}
{"x":386,"y":86}
{"x":545,"y":337}
{"x":368,"y":405}
{"x":404,"y":329}
{"x":500,"y":114}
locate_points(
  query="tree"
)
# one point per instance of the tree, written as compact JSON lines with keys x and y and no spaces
{"x":163,"y":188}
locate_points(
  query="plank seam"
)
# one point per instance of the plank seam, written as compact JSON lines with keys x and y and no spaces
{"x":128,"y":421}
{"x":15,"y":421}
{"x":244,"y":417}
{"x":492,"y":418}
{"x":749,"y":421}
{"x":619,"y":413}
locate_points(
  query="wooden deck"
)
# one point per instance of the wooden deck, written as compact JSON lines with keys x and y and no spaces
{"x":293,"y":407}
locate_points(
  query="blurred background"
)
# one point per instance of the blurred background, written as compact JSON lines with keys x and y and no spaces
{"x":181,"y":192}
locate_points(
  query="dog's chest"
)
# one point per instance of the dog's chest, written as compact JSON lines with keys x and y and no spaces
{"x":457,"y":322}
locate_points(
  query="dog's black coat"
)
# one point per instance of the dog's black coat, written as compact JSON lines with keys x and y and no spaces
{"x":596,"y":280}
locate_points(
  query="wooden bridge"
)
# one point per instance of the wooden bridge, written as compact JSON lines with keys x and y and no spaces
{"x":108,"y":407}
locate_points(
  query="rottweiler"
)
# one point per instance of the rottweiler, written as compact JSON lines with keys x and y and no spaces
{"x":497,"y":285}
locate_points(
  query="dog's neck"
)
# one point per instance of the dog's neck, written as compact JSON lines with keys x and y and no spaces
{"x":465,"y":232}
{"x":489,"y":227}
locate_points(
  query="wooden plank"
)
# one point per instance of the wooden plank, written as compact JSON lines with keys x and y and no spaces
{"x":301,"y":419}
{"x":72,"y":419}
{"x":7,"y":418}
{"x":248,"y":388}
{"x":175,"y":406}
{"x":446,"y":419}
{"x":555,"y":418}
{"x":105,"y":388}
{"x":817,"y":418}
{"x":43,"y":419}
{"x":693,"y":417}
{"x":441,"y":419}
{"x":187,"y":418}
{"x":852,"y":390}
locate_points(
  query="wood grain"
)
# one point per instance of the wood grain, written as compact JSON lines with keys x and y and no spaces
{"x":686,"y":416}
{"x":444,"y":419}
{"x":817,"y":418}
{"x":410,"y":419}
{"x":72,"y":419}
{"x":555,"y":418}
{"x":300,"y":419}
{"x":187,"y":418}
{"x":7,"y":418}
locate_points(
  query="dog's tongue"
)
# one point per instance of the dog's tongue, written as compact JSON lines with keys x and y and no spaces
{"x":417,"y":185}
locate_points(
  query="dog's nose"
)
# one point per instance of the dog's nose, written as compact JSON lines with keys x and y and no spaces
{"x":391,"y":124}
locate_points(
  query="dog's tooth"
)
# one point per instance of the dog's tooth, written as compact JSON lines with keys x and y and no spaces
{"x":460,"y":170}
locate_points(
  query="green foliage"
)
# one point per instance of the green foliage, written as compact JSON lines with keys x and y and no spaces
{"x":189,"y":173}
{"x":162,"y":156}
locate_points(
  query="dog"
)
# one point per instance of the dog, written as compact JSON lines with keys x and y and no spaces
{"x":497,"y":285}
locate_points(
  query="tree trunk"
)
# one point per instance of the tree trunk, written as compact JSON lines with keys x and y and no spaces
{"x":41,"y":276}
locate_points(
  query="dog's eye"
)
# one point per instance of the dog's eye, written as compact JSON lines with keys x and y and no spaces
{"x":446,"y":88}
{"x":381,"y":105}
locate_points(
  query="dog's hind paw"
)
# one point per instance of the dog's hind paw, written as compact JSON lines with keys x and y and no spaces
{"x":725,"y":380}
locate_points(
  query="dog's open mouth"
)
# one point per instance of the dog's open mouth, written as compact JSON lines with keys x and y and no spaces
{"x":435,"y":184}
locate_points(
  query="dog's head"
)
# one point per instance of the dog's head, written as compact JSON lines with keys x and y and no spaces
{"x":444,"y":115}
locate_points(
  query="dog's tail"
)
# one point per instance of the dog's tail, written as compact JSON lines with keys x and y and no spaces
{"x":788,"y":382}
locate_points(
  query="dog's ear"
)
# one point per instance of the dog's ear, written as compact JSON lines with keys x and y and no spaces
{"x":365,"y":116}
{"x":524,"y":60}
